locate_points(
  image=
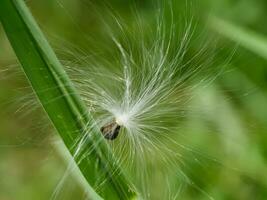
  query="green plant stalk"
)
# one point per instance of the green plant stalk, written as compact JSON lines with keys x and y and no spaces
{"x":59,"y":99}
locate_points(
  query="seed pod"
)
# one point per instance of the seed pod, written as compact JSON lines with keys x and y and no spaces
{"x":111,"y":130}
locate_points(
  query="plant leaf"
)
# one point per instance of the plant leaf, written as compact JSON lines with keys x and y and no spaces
{"x":248,"y":39}
{"x":60,"y":100}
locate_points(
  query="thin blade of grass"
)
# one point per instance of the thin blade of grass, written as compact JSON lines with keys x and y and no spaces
{"x":60,"y":100}
{"x":250,"y":40}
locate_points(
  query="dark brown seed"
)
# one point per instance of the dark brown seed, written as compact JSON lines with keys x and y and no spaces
{"x":110,"y":130}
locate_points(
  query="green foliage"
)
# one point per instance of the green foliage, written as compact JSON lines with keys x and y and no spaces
{"x":60,"y":100}
{"x":248,"y":39}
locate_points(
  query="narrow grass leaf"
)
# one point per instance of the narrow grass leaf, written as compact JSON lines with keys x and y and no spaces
{"x":250,"y":40}
{"x":60,"y":100}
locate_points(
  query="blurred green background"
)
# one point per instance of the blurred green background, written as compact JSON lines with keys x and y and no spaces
{"x":229,"y":139}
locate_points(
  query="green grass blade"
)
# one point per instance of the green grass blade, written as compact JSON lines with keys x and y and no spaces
{"x":67,"y":158}
{"x":248,"y":39}
{"x":60,"y":100}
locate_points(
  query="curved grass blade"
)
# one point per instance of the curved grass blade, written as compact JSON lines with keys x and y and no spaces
{"x":250,"y":40}
{"x":60,"y":100}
